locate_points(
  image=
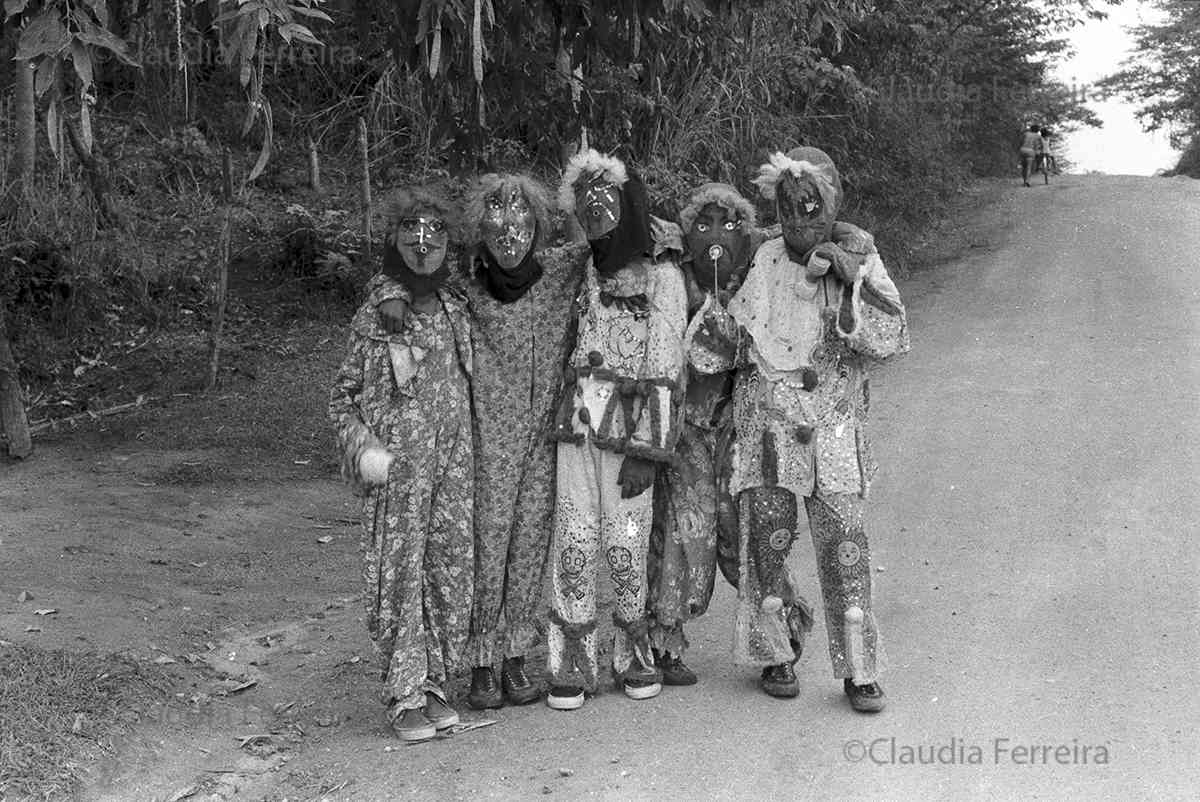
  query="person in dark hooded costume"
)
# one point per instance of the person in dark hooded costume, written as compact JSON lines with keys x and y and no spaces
{"x":804,"y":327}
{"x":616,"y":424}
{"x":401,"y":405}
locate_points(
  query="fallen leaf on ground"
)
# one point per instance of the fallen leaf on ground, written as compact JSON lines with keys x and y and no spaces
{"x":183,"y":793}
{"x":24,"y":596}
{"x":243,"y":686}
{"x":45,"y":611}
{"x":163,"y":660}
{"x":33,"y":629}
{"x":325,"y":539}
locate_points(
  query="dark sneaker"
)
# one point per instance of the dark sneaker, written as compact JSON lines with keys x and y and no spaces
{"x":485,"y":692}
{"x":440,"y":714}
{"x":780,"y":681}
{"x":867,"y":698}
{"x":565,"y":697}
{"x":518,"y":688}
{"x":413,"y":726}
{"x":674,"y":672}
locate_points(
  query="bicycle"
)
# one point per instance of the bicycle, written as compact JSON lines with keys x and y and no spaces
{"x":1042,"y":163}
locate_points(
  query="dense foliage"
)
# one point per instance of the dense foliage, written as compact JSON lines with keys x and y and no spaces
{"x":1164,"y":77}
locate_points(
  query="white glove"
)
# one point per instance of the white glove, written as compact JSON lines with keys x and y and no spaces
{"x":373,"y":465}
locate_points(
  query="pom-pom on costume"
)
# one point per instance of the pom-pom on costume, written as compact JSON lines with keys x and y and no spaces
{"x":401,"y":406}
{"x":812,"y":316}
{"x":617,"y":415}
{"x":695,"y":522}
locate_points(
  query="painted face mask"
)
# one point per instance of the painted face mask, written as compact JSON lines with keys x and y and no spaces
{"x":508,"y":227}
{"x":719,"y":242}
{"x":422,"y":242}
{"x":803,"y":214}
{"x":598,"y":207}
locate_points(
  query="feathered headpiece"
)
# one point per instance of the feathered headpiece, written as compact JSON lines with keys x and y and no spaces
{"x":500,"y":183}
{"x":589,"y":162}
{"x":804,"y":162}
{"x":724,"y":196}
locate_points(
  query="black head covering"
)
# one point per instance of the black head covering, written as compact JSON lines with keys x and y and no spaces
{"x":507,"y":286}
{"x":632,"y":236}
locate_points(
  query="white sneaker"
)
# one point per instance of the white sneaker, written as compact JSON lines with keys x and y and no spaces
{"x":563,"y":697}
{"x":642,"y":690}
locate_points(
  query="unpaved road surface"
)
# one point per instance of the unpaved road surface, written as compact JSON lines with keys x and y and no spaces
{"x":1034,"y":531}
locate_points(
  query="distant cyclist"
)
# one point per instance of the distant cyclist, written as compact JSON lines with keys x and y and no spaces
{"x":1048,"y":163}
{"x":1031,"y":145}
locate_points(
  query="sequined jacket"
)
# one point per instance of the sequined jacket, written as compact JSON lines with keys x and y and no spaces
{"x":621,"y":390}
{"x":818,"y":414}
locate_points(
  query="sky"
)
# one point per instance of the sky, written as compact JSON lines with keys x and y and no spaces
{"x":1121,"y":146}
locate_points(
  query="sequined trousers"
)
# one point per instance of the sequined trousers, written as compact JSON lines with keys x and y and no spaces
{"x":695,"y":528}
{"x":596,"y":531}
{"x":772,"y":618}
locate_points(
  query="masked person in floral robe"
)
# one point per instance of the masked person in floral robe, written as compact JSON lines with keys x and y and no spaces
{"x":401,"y":405}
{"x":616,"y":424}
{"x":811,"y":317}
{"x":521,"y":297}
{"x":693,"y":511}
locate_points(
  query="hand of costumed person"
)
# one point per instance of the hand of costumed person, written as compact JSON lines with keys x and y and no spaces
{"x":373,"y":465}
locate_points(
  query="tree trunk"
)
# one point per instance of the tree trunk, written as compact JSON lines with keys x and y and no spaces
{"x":12,"y":409}
{"x":21,"y":168}
{"x":97,"y":177}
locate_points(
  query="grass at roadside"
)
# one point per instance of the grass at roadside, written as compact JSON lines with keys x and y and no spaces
{"x":58,"y":711}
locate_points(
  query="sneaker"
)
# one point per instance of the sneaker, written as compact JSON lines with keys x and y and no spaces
{"x":412,"y":726}
{"x":867,"y":698}
{"x":518,"y":688}
{"x":440,"y":714}
{"x":641,"y":689}
{"x":485,"y":692}
{"x":565,"y":697}
{"x":780,"y":681}
{"x":674,"y":672}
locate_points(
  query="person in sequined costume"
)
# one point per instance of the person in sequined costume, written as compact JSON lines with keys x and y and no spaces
{"x":804,"y":327}
{"x":616,"y":424}
{"x":401,"y":406}
{"x":521,"y":295}
{"x":694,"y":518}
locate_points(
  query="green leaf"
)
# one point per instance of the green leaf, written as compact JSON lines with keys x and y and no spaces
{"x":100,"y":8}
{"x":264,"y":155}
{"x":312,"y":12}
{"x":294,"y":30}
{"x":14,"y":7}
{"x":46,"y":35}
{"x":52,"y":128}
{"x":47,"y":74}
{"x":81,"y":58}
{"x":92,"y":34}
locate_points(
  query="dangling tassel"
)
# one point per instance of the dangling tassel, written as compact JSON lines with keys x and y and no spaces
{"x":853,"y":633}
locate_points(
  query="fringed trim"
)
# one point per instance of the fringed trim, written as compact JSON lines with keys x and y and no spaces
{"x":573,"y":631}
{"x":669,"y":639}
{"x":588,"y":162}
{"x":723,"y":195}
{"x":779,"y":165}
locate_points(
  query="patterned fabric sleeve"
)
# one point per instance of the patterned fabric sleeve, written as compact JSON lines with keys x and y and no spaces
{"x":880,"y":328}
{"x":657,"y":429}
{"x":354,"y":436}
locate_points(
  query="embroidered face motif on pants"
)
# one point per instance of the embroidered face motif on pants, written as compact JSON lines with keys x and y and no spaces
{"x":719,"y":242}
{"x":508,"y":226}
{"x":572,"y":562}
{"x":620,"y":560}
{"x":803,"y":214}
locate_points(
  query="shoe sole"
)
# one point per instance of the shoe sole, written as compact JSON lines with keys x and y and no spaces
{"x":679,"y":682}
{"x":413,"y":736}
{"x":644,"y":692}
{"x":873,"y":706}
{"x":527,"y":698}
{"x":490,"y":703}
{"x":778,"y":692}
{"x":564,"y":702}
{"x":445,"y":722}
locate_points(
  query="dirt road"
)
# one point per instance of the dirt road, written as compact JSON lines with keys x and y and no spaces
{"x":1032,"y":526}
